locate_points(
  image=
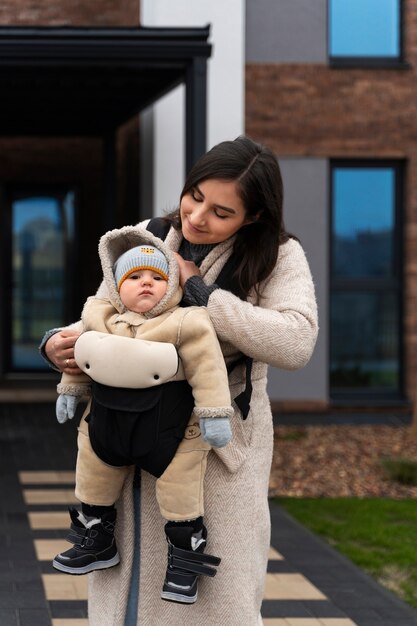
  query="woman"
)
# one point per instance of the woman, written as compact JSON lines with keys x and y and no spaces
{"x":231,"y":204}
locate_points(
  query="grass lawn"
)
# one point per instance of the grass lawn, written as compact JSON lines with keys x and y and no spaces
{"x":379,"y":535}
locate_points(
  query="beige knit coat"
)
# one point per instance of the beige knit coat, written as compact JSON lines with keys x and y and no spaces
{"x":278,"y":328}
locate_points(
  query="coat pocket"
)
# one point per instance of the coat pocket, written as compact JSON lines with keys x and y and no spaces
{"x":234,"y":454}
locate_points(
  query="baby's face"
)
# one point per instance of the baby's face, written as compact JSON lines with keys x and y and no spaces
{"x":142,"y":290}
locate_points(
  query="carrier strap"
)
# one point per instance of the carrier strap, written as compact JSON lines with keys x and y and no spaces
{"x":244,"y":398}
{"x":158,"y":227}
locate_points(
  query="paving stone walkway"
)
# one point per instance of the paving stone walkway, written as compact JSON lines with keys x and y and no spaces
{"x":308,"y":583}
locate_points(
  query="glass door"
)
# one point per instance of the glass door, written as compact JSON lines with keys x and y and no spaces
{"x":39,"y":261}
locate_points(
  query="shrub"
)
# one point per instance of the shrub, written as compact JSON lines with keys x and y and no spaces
{"x":401,"y":470}
{"x":292,"y":435}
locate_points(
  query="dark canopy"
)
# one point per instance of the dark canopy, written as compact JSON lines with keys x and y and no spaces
{"x":88,"y":81}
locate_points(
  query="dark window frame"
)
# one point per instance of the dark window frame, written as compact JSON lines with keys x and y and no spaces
{"x":396,"y":285}
{"x":10,"y":192}
{"x":372,"y":62}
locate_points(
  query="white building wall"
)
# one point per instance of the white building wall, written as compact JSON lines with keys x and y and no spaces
{"x":163,"y":128}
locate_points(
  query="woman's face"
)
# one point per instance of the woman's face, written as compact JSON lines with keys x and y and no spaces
{"x":212,"y":212}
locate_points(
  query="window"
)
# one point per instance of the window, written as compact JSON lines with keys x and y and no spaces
{"x":38,"y":262}
{"x":365,"y":31}
{"x":366,"y":270}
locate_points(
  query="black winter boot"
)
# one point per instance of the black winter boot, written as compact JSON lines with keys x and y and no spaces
{"x":186,"y":543}
{"x":94,"y":544}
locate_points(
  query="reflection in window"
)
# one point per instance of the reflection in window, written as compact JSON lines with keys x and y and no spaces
{"x":42,"y":227}
{"x":364,"y":346}
{"x":365,"y":335}
{"x":363,"y":219}
{"x":364,"y":28}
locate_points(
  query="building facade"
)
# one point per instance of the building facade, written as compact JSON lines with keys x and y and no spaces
{"x":337,"y":110}
{"x":329,"y":86}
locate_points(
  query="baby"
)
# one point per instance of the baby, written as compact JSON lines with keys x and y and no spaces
{"x":160,"y":401}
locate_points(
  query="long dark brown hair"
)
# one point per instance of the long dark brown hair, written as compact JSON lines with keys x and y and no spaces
{"x":257,"y":174}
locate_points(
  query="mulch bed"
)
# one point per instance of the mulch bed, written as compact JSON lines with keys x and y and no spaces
{"x":339,"y":461}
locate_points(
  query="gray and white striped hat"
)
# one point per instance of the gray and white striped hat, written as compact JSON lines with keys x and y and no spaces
{"x":140,"y":258}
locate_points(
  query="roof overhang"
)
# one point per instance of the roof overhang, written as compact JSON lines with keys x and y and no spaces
{"x":88,"y":81}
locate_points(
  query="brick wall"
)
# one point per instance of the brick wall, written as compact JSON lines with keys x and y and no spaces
{"x":73,"y":13}
{"x":313,"y":110}
{"x":317,"y":111}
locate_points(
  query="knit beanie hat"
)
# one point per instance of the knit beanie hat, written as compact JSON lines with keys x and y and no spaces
{"x":140,"y":258}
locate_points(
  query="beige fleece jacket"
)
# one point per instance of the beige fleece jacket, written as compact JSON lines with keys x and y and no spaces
{"x":188,"y":329}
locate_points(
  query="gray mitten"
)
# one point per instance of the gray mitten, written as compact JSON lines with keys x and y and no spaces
{"x":66,"y":406}
{"x":216,"y":431}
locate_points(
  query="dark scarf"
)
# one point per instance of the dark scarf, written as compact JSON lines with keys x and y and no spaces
{"x":195,"y":252}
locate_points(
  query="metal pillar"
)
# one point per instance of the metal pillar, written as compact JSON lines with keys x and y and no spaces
{"x":109,"y":181}
{"x":195,"y":111}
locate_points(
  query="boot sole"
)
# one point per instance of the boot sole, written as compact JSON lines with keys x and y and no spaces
{"x":79,"y":571}
{"x":178,"y":597}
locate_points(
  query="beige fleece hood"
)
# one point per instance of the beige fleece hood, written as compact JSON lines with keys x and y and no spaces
{"x":114,"y":243}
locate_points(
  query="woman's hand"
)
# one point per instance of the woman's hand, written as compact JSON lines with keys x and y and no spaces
{"x":60,"y":350}
{"x":187,"y":269}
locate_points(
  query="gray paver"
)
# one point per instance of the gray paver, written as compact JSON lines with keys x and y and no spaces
{"x":9,"y":617}
{"x":33,"y":617}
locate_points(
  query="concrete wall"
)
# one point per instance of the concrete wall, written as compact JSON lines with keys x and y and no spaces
{"x":306,"y":216}
{"x":286,"y":31}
